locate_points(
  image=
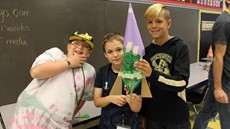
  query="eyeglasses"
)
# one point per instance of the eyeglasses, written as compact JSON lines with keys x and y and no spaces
{"x":83,"y":45}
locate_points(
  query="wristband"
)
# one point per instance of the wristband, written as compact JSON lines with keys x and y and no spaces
{"x":68,"y":62}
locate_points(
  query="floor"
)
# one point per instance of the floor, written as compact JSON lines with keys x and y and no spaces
{"x":213,"y":124}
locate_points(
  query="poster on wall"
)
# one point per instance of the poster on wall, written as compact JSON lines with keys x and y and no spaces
{"x":205,"y":4}
{"x":206,"y":22}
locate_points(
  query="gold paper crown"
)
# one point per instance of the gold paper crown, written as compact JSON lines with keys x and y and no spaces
{"x":84,"y":37}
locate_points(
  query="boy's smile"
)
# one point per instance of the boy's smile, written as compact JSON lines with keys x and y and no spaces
{"x":158,"y":29}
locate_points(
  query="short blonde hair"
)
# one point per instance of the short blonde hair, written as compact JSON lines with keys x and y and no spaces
{"x":155,"y":10}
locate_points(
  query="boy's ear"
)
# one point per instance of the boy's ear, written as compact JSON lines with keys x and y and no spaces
{"x":90,"y":52}
{"x":169,"y":23}
{"x":105,"y":55}
{"x":68,"y":47}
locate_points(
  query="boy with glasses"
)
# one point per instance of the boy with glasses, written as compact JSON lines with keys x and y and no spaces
{"x":61,"y":84}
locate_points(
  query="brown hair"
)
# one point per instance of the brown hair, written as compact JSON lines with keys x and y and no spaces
{"x":110,"y":37}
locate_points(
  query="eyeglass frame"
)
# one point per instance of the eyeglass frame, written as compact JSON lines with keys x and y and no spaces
{"x":84,"y":45}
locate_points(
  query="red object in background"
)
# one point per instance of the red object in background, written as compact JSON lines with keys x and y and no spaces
{"x":205,"y":4}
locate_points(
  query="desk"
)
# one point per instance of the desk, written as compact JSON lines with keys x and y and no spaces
{"x":7,"y":112}
{"x":198,"y":76}
{"x":89,"y":109}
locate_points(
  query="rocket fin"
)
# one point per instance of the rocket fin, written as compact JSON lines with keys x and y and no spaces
{"x":117,"y":86}
{"x":145,"y":91}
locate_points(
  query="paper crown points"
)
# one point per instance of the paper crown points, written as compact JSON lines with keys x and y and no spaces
{"x":84,"y":37}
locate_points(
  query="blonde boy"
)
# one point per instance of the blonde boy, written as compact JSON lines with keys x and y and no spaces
{"x":166,"y":64}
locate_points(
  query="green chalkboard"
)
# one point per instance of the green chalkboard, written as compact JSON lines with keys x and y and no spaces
{"x":29,"y":27}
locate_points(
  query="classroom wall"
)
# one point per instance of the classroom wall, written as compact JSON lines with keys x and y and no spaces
{"x":28,"y":28}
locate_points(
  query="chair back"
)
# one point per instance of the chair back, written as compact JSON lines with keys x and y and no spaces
{"x":196,"y":97}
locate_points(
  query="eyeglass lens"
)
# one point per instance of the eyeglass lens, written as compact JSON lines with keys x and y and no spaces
{"x":85,"y":46}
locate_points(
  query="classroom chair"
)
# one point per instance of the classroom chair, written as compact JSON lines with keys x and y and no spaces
{"x":196,"y":97}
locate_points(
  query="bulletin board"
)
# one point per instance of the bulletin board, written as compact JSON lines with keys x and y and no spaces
{"x":206,"y":21}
